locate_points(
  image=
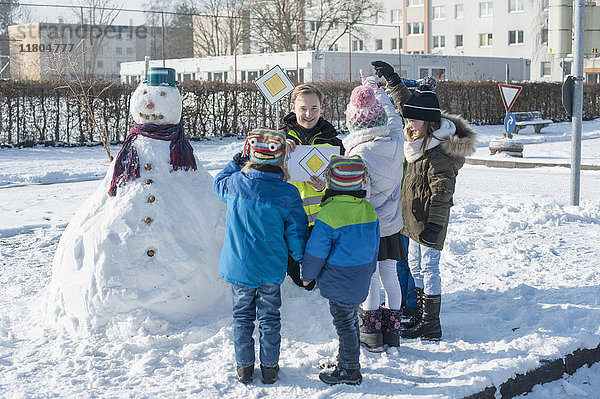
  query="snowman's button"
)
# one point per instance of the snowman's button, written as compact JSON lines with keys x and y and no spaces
{"x":148,"y":220}
{"x":147,"y":166}
{"x":151,"y":199}
{"x":150,"y":252}
{"x":148,"y":181}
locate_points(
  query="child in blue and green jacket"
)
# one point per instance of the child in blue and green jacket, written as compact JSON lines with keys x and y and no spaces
{"x":265,"y":222}
{"x":341,"y":254}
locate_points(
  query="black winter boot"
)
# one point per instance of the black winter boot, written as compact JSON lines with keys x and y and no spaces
{"x":245,"y":374}
{"x":416,"y":317}
{"x":428,"y":327}
{"x":390,"y":326}
{"x":370,"y":329}
{"x":269,"y":374}
{"x":341,"y":376}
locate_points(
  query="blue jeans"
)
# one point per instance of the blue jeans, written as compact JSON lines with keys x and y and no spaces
{"x":424,"y":263}
{"x":345,"y":321}
{"x":247,"y":303}
{"x":407,"y":282}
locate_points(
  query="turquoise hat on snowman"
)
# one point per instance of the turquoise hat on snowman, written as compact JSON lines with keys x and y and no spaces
{"x":158,"y":76}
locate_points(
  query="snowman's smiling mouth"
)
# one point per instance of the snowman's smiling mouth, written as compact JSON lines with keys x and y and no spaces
{"x":151,"y":116}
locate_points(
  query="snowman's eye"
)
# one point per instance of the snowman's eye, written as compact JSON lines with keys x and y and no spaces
{"x":144,"y":92}
{"x":273,"y":146}
{"x":162,"y":93}
{"x":252,"y":141}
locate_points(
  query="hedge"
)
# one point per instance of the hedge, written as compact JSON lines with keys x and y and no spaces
{"x":50,"y":112}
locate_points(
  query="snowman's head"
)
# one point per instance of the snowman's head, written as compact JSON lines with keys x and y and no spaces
{"x":157,"y":100}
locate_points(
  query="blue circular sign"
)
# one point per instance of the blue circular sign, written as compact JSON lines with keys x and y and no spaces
{"x":509,"y":122}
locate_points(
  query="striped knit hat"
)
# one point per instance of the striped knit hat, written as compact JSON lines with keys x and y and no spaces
{"x":265,"y":146}
{"x":346,"y":173}
{"x":423,"y":104}
{"x":364,"y":111}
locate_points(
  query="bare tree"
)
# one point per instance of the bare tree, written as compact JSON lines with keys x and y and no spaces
{"x":333,"y":18}
{"x":95,"y":16}
{"x":321,"y":25}
{"x":154,"y":20}
{"x":180,"y":31}
{"x":223,"y":28}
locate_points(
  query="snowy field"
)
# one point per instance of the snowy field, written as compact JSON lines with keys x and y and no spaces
{"x":520,"y":274}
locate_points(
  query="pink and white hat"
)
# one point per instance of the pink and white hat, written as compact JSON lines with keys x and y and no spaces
{"x":364,"y":110}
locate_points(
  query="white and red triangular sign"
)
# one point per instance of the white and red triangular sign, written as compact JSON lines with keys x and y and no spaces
{"x":509,"y":94}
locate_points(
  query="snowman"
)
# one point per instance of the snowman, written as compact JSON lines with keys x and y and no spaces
{"x":146,"y":244}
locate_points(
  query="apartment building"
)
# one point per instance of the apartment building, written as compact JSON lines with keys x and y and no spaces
{"x":491,"y":28}
{"x":41,"y":51}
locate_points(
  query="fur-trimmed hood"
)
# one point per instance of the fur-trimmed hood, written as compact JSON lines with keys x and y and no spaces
{"x":462,"y":142}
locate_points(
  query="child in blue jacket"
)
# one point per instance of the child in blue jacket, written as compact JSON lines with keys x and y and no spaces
{"x":341,"y":254}
{"x":265,"y":222}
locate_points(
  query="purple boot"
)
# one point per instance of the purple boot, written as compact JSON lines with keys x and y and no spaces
{"x":370,"y":329}
{"x":390,"y":326}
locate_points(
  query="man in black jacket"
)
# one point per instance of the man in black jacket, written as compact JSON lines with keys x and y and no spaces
{"x":305,"y":126}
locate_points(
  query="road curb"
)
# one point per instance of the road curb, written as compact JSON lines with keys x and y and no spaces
{"x":548,"y":371}
{"x":523,"y":165}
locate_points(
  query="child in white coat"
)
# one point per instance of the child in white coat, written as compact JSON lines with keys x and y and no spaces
{"x":376,"y":135}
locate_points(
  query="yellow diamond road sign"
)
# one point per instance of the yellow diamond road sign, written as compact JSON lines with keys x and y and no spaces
{"x":274,"y":85}
{"x":315,"y":163}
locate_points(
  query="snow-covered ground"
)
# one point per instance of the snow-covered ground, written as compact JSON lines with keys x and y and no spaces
{"x":520,"y":273}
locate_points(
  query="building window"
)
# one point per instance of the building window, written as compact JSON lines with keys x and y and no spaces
{"x":119,"y":50}
{"x":394,"y":43}
{"x":458,"y":40}
{"x":566,"y":66}
{"x":378,"y":44}
{"x":439,"y":41}
{"x":357,"y":45}
{"x":485,"y":39}
{"x":129,"y":51}
{"x":412,"y":3}
{"x":396,"y":16}
{"x":544,"y":36}
{"x":545,"y":69}
{"x":515,"y":37}
{"x":379,"y":18}
{"x":592,"y":77}
{"x":439,"y":12}
{"x":516,"y":6}
{"x":415,"y":28}
{"x":486,"y":9}
{"x":458,"y":11}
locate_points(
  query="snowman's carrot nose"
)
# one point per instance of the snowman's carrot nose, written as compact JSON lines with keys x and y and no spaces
{"x":149,"y":105}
